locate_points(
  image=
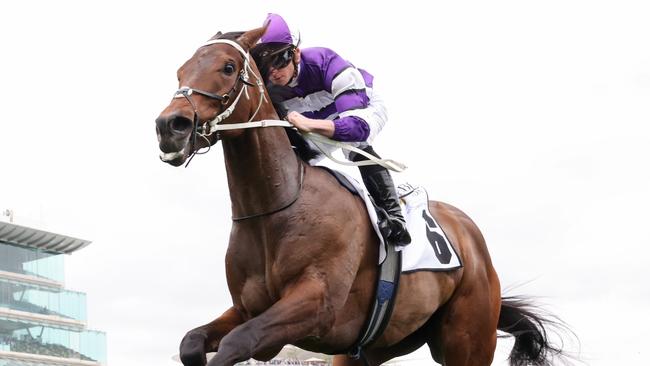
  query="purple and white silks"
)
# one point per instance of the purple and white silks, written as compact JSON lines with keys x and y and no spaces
{"x":329,"y":87}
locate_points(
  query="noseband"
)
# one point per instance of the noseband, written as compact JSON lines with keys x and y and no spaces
{"x":207,"y":128}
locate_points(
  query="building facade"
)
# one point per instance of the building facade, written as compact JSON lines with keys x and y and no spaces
{"x":41,"y":322}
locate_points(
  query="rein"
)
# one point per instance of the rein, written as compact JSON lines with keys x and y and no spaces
{"x":208,"y":128}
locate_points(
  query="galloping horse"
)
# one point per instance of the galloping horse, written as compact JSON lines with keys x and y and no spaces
{"x":301,"y":263}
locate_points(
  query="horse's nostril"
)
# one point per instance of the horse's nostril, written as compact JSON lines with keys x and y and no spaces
{"x":180,"y":124}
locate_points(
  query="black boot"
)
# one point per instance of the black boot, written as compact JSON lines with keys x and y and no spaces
{"x":382,"y":189}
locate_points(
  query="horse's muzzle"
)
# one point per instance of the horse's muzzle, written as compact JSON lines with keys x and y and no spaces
{"x":174,"y":158}
{"x":173,"y":124}
{"x":173,"y":131}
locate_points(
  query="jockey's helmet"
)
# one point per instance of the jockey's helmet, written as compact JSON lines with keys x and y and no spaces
{"x":276,"y":47}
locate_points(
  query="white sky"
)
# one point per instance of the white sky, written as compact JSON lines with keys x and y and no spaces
{"x":532,"y":117}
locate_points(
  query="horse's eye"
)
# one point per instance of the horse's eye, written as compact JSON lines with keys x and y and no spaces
{"x":229,"y":69}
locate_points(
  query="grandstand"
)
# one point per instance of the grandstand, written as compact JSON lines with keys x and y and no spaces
{"x":41,"y":322}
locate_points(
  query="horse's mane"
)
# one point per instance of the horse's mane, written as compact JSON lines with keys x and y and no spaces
{"x":278,"y":95}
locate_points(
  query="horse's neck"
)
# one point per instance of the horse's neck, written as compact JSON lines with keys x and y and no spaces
{"x":263,"y":171}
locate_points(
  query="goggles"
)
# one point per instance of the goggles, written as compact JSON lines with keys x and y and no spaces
{"x":282,"y":59}
{"x":272,"y":57}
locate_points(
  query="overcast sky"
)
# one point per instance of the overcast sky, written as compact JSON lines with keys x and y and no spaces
{"x":532,"y":117}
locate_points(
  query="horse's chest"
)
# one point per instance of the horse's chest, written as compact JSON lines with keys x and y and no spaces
{"x":255,"y":298}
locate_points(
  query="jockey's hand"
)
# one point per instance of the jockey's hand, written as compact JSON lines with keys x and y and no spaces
{"x":299,"y":121}
{"x":323,"y":127}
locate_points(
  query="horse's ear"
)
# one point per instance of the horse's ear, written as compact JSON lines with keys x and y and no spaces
{"x":216,"y":35}
{"x":250,"y":38}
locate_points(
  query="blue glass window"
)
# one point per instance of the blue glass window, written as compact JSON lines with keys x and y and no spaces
{"x":42,"y":300}
{"x":32,"y":262}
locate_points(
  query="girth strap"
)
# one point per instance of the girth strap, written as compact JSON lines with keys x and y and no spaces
{"x":382,"y":306}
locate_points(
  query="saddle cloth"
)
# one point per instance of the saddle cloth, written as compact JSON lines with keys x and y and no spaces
{"x":430,"y":249}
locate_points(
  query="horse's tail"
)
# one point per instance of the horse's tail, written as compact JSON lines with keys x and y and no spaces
{"x":528,"y":325}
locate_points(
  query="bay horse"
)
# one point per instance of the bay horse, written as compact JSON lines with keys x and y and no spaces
{"x":301,"y":264}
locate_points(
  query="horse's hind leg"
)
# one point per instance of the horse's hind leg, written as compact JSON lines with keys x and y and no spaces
{"x":345,"y":360}
{"x":461,"y":333}
{"x":378,"y":356}
{"x":370,"y":359}
{"x":464,"y":331}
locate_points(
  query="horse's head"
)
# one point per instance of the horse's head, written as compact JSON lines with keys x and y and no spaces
{"x":219,"y":83}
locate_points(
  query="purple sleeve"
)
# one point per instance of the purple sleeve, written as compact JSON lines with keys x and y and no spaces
{"x":350,"y":128}
{"x":351,"y":99}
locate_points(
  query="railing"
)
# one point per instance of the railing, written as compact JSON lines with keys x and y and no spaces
{"x":44,"y":300}
{"x":34,"y":346}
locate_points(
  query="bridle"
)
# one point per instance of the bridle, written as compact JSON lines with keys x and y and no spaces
{"x":207,"y":128}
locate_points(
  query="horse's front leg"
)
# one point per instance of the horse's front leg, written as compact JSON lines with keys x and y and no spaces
{"x":304,"y":311}
{"x":206,"y":338}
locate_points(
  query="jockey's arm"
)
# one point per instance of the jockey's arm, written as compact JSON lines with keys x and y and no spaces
{"x":347,"y":86}
{"x":349,"y":128}
{"x":323,"y":127}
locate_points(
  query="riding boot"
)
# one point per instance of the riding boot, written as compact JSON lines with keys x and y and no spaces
{"x":380,"y":185}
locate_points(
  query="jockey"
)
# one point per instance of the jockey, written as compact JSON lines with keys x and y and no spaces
{"x":325,"y":94}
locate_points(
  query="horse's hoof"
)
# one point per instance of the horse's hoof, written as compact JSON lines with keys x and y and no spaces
{"x":192,"y":350}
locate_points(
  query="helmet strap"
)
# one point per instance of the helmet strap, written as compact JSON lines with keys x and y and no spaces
{"x":295,"y":70}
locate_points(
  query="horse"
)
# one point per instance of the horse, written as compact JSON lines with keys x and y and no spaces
{"x":301,"y":263}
